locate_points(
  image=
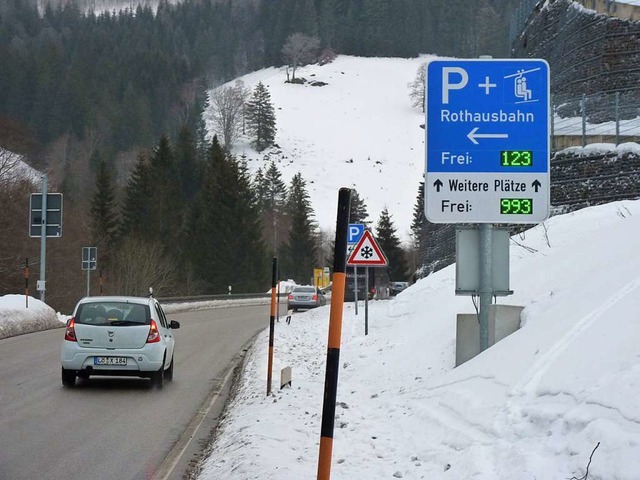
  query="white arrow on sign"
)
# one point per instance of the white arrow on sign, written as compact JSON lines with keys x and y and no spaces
{"x":473,"y":135}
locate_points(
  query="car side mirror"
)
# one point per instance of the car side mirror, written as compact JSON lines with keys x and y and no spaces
{"x":173,"y":325}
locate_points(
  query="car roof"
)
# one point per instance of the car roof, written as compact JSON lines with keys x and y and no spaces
{"x":116,"y":298}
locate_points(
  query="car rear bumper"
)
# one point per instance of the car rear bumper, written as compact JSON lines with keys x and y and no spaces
{"x":294,"y":304}
{"x":148,"y":359}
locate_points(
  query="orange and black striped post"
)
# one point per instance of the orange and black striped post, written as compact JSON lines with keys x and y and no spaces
{"x":272,"y":318}
{"x":335,"y":333}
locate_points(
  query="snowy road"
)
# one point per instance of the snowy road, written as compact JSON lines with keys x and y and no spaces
{"x":108,"y":428}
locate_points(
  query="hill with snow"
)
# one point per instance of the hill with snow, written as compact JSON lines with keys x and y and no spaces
{"x":102,"y":6}
{"x":14,"y":168}
{"x":358,"y":131}
{"x":537,"y":405}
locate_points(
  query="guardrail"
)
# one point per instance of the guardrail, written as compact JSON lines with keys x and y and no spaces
{"x":219,"y":296}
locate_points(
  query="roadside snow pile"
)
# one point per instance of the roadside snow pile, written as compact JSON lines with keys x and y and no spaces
{"x":534,"y":406}
{"x":16,"y":318}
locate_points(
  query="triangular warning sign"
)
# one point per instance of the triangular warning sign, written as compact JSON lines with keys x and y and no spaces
{"x":367,"y":253}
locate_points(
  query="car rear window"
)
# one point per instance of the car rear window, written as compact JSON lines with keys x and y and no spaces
{"x":113,"y":314}
{"x":304,"y":290}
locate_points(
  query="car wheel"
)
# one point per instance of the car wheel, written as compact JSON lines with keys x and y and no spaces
{"x":169,"y":373}
{"x":157,"y":378}
{"x":68,"y":377}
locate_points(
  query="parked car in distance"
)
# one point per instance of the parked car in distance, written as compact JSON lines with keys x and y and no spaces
{"x":396,"y":287}
{"x":118,"y":336}
{"x":304,"y":297}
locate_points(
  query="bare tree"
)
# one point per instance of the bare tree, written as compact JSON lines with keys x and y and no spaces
{"x":9,"y":161}
{"x":139,"y":265}
{"x":228,"y":111}
{"x":15,"y":140}
{"x":418,"y":87}
{"x":299,"y":49}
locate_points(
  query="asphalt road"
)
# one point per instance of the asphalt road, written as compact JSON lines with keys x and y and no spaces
{"x":113,"y":428}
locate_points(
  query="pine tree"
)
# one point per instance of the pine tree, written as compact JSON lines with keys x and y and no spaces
{"x":272,"y":198}
{"x":208,"y":229}
{"x":390,"y":245}
{"x":187,"y":165}
{"x":104,"y":222}
{"x":136,"y":207}
{"x":201,"y":133}
{"x":261,"y":118}
{"x":166,"y":205}
{"x":419,"y":219}
{"x":358,"y":209}
{"x":223,"y":221}
{"x":301,"y":250}
{"x":250,"y":272}
{"x":260,"y":189}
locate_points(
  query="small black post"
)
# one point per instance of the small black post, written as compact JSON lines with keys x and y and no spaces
{"x":26,"y":282}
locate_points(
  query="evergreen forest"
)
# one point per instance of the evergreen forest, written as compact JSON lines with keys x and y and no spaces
{"x":110,"y":106}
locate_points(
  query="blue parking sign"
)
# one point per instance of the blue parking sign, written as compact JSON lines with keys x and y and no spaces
{"x":356,"y":230}
{"x":487,"y":141}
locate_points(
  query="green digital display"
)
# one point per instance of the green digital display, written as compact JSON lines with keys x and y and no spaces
{"x":516,"y":206}
{"x":516,"y":158}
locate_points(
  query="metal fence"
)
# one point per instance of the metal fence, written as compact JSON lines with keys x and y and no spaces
{"x":595,"y":74}
{"x":611,"y":117}
{"x":520,"y":17}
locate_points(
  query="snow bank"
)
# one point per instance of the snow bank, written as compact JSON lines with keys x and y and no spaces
{"x":16,"y":318}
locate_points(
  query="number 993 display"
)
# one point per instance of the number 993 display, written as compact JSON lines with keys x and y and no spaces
{"x":516,"y":206}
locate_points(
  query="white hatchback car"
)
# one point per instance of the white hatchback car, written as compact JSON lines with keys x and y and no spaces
{"x":119,"y":336}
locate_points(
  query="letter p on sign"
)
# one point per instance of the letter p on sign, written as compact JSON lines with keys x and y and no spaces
{"x":356,"y":230}
{"x":447,"y":72}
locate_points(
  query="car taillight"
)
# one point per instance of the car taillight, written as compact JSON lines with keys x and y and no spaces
{"x":154,"y":334}
{"x":315,"y":297}
{"x":290,"y":296}
{"x":70,"y":332}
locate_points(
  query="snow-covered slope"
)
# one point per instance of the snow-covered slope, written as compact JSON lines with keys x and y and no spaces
{"x":12,"y":168}
{"x":534,"y":406}
{"x":357,"y":131}
{"x":101,"y":6}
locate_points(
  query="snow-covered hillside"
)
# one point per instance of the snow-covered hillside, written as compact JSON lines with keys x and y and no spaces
{"x":12,"y":167}
{"x":358,"y":131}
{"x":102,"y":6}
{"x":534,"y":406}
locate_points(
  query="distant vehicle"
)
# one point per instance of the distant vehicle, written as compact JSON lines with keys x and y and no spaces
{"x":118,"y":336}
{"x":350,"y":284}
{"x":396,"y":287}
{"x":304,"y":297}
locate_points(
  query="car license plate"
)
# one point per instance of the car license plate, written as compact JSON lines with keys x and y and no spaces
{"x":109,"y":360}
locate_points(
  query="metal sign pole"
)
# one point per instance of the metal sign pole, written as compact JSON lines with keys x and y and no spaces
{"x":43,"y":240}
{"x":366,"y":300}
{"x":486,"y":282}
{"x":355,"y":286}
{"x":88,"y":281}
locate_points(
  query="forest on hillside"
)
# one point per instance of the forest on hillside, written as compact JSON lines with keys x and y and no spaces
{"x":123,"y":80}
{"x":110,"y":106}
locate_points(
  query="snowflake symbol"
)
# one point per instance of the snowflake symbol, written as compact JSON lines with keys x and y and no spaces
{"x":366,"y":252}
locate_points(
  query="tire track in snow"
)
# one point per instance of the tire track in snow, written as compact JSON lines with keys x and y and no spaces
{"x":530,"y":381}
